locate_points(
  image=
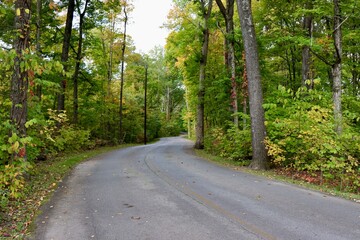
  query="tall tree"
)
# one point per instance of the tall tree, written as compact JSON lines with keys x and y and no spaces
{"x":19,"y":81}
{"x":205,"y":8}
{"x":258,"y":131}
{"x":228,"y":14}
{"x":78,"y":57}
{"x":65,"y":52}
{"x":306,"y":55}
{"x":122,"y":73}
{"x":38,"y":37}
{"x":336,"y":67}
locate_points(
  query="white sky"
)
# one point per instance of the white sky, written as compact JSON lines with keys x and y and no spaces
{"x":145,"y":22}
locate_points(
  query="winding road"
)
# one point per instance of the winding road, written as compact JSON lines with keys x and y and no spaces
{"x":163,"y":191}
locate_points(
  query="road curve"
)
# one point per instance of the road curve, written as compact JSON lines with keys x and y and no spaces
{"x":163,"y":192}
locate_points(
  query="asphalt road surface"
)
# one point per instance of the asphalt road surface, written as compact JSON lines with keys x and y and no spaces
{"x":163,"y":192}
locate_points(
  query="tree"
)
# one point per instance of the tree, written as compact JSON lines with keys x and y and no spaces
{"x":205,"y":11}
{"x":258,"y":131}
{"x":19,"y":81}
{"x":306,"y":55}
{"x":65,"y":52}
{"x":78,"y":57}
{"x":122,"y":73}
{"x":336,"y":67}
{"x":228,"y":14}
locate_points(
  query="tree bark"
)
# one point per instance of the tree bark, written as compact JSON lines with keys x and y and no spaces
{"x":206,"y":12}
{"x":258,"y":131}
{"x":122,"y":76}
{"x":111,"y":53}
{"x":336,"y":68}
{"x":65,"y":53}
{"x":78,"y":60}
{"x":19,"y":80}
{"x":306,"y":55}
{"x":38,"y":45}
{"x":228,"y":14}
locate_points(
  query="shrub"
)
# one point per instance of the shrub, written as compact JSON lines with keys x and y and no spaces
{"x":231,"y":143}
{"x":301,"y":136}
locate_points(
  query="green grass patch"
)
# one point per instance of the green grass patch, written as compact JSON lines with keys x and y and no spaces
{"x":17,"y":215}
{"x":276,"y":175}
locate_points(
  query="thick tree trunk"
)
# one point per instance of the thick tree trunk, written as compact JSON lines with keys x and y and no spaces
{"x":199,"y":144}
{"x":65,"y":53}
{"x":258,"y":131}
{"x":19,"y":80}
{"x":336,"y":68}
{"x":78,"y":61}
{"x":122,"y":77}
{"x":306,"y":55}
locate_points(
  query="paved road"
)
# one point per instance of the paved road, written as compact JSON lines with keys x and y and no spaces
{"x":163,"y":192}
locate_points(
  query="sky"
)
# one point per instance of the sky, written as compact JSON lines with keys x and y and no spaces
{"x":145,"y":21}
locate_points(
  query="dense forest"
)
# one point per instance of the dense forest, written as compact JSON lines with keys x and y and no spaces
{"x":270,"y":84}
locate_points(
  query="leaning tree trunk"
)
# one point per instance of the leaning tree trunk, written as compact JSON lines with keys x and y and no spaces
{"x":199,"y":144}
{"x":19,"y":80}
{"x":65,"y":53}
{"x":258,"y":131}
{"x":336,"y":68}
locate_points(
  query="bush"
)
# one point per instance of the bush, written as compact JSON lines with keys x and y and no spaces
{"x":301,"y":136}
{"x":231,"y":143}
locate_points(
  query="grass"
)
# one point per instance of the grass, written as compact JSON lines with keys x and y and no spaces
{"x":17,"y":220}
{"x":276,"y":175}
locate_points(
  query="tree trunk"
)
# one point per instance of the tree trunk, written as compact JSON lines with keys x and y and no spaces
{"x":306,"y":55}
{"x":230,"y":61}
{"x":199,"y":144}
{"x":19,"y":80}
{"x":145,"y":104}
{"x":78,"y":59}
{"x":65,"y":52}
{"x":111,"y":53}
{"x":336,"y":68}
{"x":38,"y":36}
{"x":122,"y":76}
{"x":258,"y":131}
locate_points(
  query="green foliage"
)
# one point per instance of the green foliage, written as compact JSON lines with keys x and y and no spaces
{"x":14,"y":166}
{"x":231,"y":143}
{"x":12,"y":179}
{"x":173,"y":127}
{"x":301,"y":136}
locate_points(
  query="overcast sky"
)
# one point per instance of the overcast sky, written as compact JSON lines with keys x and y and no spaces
{"x":145,"y":22}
